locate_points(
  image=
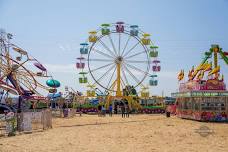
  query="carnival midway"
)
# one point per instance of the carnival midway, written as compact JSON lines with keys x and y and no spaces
{"x":118,"y":65}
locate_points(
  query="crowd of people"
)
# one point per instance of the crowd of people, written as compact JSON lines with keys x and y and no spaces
{"x":124,"y":107}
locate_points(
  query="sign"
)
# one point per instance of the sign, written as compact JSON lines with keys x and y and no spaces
{"x":204,"y":131}
{"x":200,"y":94}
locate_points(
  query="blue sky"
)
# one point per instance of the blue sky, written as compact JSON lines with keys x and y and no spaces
{"x":51,"y":31}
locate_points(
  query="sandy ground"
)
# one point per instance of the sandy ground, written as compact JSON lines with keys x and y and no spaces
{"x":141,"y":133}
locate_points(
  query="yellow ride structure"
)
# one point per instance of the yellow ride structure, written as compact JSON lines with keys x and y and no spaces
{"x":212,"y":68}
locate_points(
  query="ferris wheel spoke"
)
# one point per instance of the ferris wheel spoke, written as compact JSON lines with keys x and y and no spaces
{"x":105,"y":74}
{"x":9,"y":71}
{"x":27,"y":79}
{"x":111,"y":79}
{"x":119,"y":45}
{"x":125,"y":77}
{"x":101,"y":60}
{"x":128,"y":57}
{"x":104,"y":66}
{"x":126,"y":45}
{"x":134,"y":61}
{"x":124,"y":84}
{"x":42,"y":86}
{"x":26,"y":84}
{"x":28,"y":75}
{"x":16,"y":84}
{"x":102,"y":53}
{"x":3,"y":60}
{"x":105,"y":46}
{"x":135,"y":78}
{"x":113,"y":46}
{"x":130,"y":49}
{"x":137,"y":69}
{"x":132,"y":75}
{"x":121,"y":83}
{"x":37,"y":84}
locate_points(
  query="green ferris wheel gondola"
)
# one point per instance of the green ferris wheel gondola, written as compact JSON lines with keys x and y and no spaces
{"x":83,"y":78}
{"x":105,"y":29}
{"x":153,"y":51}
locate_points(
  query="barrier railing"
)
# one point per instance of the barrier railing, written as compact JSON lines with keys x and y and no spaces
{"x":25,"y":122}
{"x":34,"y":120}
{"x":7,"y":125}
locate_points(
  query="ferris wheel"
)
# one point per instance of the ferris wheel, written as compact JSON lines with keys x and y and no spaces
{"x":118,"y":55}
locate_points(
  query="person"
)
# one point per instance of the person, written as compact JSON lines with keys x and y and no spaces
{"x":110,"y":110}
{"x":99,"y":110}
{"x":115,"y":108}
{"x":122,"y":110}
{"x":65,"y":110}
{"x":127,"y":110}
{"x":168,"y":109}
{"x":80,"y":109}
{"x":103,"y":110}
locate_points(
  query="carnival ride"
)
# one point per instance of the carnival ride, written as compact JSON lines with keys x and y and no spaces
{"x":204,"y":95}
{"x":21,"y":74}
{"x":118,"y":56}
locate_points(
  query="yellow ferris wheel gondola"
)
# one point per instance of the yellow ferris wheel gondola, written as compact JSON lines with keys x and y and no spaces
{"x":91,"y":90}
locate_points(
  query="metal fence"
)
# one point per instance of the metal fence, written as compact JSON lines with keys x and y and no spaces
{"x":26,"y":122}
{"x":2,"y":125}
{"x":34,"y":120}
{"x":7,"y":125}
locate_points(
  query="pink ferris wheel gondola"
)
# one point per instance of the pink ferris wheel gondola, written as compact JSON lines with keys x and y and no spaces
{"x":81,"y":63}
{"x":156,"y":67}
{"x":119,"y":27}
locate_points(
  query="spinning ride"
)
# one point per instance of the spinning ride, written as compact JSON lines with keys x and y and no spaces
{"x":204,"y":97}
{"x":20,"y":73}
{"x":118,"y":56}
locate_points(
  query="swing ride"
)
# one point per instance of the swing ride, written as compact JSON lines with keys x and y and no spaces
{"x":21,"y":74}
{"x":118,"y":56}
{"x":202,"y":97}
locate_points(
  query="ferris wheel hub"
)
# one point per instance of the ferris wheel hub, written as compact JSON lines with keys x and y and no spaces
{"x":119,"y":59}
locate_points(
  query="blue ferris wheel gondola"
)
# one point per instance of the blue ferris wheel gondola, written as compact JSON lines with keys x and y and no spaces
{"x":84,"y":48}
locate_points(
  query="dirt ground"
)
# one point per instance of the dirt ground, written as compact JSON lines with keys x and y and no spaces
{"x":139,"y":133}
